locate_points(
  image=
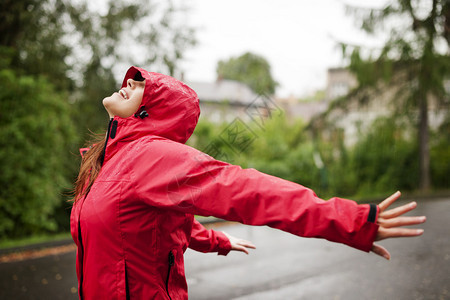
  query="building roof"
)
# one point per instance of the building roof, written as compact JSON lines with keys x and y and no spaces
{"x":223,"y":90}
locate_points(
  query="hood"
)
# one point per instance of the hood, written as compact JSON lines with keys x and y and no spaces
{"x":172,"y":107}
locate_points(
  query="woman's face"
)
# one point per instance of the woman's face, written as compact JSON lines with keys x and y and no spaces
{"x":127,"y":101}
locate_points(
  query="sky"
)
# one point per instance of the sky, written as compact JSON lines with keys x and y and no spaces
{"x":299,"y":38}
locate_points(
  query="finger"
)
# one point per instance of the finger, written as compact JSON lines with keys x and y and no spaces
{"x":401,"y":221}
{"x":384,"y":233}
{"x":389,"y":200}
{"x":242,"y":249}
{"x":381,"y":251}
{"x":246,"y":244}
{"x":395,"y":212}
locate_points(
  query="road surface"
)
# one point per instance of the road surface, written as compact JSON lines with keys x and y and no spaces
{"x":283,"y":267}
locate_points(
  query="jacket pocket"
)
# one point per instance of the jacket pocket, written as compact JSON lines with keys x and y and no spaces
{"x":171,"y":262}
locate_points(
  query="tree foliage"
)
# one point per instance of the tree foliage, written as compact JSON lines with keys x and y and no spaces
{"x":415,"y":59}
{"x":382,"y":161}
{"x":280,"y":148}
{"x":80,"y":50}
{"x":251,"y":69}
{"x":32,"y":31}
{"x":36,"y":133}
{"x":140,"y":32}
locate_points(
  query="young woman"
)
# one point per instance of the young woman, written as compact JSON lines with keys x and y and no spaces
{"x":139,"y":188}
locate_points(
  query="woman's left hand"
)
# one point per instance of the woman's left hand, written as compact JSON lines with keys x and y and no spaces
{"x":391,"y":222}
{"x":238,"y":244}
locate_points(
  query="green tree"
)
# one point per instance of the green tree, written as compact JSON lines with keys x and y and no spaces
{"x":414,"y":59}
{"x":80,"y":50}
{"x":36,"y":135}
{"x":32,"y":31}
{"x":383,"y":160}
{"x":154,"y":29}
{"x":440,"y":156}
{"x":251,"y":69}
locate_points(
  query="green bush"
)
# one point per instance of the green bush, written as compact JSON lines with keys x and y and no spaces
{"x":278,"y":147}
{"x":440,"y":157}
{"x":36,"y":132}
{"x":384,"y":159}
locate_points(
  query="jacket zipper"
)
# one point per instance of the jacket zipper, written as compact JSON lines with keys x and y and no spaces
{"x":112,"y":129}
{"x":127,"y":287}
{"x":81,"y":254}
{"x":171,"y":263}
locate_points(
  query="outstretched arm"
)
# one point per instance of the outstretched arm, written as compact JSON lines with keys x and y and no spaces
{"x":208,"y":240}
{"x":198,"y":184}
{"x":391,"y":222}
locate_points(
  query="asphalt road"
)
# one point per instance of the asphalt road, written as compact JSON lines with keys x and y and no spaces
{"x":283,"y":267}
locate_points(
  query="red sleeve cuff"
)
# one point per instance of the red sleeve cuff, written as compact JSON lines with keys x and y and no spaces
{"x":224,"y":246}
{"x":369,"y":230}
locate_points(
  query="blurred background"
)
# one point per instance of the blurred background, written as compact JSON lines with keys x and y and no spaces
{"x":349,"y":100}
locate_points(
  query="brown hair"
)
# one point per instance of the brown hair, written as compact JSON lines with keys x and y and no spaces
{"x":91,"y":164}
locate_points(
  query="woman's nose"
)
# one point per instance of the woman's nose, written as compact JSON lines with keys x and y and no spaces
{"x":130,"y":83}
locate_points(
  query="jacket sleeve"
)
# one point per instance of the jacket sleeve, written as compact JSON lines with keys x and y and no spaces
{"x":175,"y":176}
{"x":204,"y":240}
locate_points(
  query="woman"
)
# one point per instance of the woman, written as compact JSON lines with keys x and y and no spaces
{"x":139,"y":188}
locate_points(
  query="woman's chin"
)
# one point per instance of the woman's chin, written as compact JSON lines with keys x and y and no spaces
{"x":115,"y":105}
{"x":108,"y":104}
{"x":107,"y":101}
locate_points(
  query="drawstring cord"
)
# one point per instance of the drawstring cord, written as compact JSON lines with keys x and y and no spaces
{"x":112,"y":129}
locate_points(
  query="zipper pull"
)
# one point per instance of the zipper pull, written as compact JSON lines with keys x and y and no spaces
{"x":102,"y":158}
{"x":171,"y":262}
{"x":171,"y":259}
{"x":113,"y":129}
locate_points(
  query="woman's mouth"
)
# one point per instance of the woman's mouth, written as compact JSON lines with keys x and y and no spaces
{"x":123,"y":94}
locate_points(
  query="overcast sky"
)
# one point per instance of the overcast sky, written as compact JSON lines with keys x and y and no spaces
{"x":297,"y":37}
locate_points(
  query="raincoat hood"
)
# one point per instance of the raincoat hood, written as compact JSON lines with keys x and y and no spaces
{"x":169,"y":109}
{"x":173,"y":107}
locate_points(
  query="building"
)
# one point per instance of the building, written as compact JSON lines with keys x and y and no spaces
{"x":339,"y":83}
{"x":225,"y":100}
{"x":351,"y":112}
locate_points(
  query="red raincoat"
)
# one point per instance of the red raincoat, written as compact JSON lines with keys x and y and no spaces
{"x":202,"y":239}
{"x":137,"y":220}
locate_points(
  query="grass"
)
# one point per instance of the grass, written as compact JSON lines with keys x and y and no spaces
{"x":36,"y":239}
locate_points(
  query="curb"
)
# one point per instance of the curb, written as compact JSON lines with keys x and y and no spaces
{"x":37,"y":246}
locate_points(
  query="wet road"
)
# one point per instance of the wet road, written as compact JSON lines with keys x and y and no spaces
{"x":286,"y":267}
{"x":51,"y":277}
{"x":283,"y":267}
